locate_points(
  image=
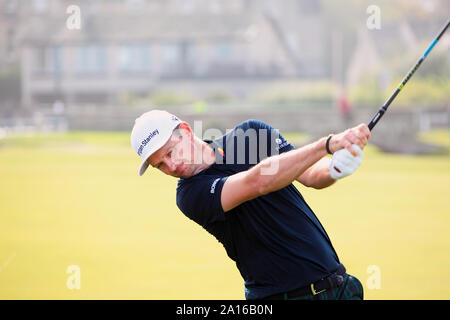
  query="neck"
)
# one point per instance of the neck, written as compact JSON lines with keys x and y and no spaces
{"x":207,"y":155}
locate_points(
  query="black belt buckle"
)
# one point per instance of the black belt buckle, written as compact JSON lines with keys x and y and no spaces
{"x":314,"y":292}
{"x":334,"y":280}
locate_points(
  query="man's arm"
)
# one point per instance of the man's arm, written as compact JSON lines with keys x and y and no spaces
{"x":277,"y":172}
{"x":283,"y":168}
{"x":318,"y":175}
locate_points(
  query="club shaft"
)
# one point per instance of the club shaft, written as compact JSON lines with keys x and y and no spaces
{"x":383,"y":109}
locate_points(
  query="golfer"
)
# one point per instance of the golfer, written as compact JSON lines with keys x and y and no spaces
{"x":239,"y":188}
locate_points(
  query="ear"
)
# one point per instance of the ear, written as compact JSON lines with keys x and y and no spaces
{"x":185,"y":126}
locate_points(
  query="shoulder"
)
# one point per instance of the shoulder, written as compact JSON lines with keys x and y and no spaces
{"x":192,"y":182}
{"x":199,"y":198}
{"x":253,"y":124}
{"x":250,"y":126}
{"x":202,"y":184}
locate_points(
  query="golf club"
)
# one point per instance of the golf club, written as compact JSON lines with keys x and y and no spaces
{"x":383,"y":109}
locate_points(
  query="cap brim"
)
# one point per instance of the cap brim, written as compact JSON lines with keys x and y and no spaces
{"x":143,"y":167}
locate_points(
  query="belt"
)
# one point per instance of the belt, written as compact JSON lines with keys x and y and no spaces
{"x":332,"y":281}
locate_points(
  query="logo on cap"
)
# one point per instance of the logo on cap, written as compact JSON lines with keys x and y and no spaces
{"x":146,"y":141}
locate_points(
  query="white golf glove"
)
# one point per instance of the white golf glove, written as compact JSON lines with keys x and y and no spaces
{"x":344,"y":163}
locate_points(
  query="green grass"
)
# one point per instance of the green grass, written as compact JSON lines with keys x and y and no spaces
{"x":76,"y":199}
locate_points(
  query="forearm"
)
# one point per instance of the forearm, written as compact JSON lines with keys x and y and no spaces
{"x":318,"y":175}
{"x":277,"y":172}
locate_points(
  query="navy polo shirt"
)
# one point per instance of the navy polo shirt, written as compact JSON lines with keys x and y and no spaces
{"x":276,"y":240}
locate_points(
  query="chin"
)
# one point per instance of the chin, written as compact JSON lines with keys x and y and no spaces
{"x":186,"y":173}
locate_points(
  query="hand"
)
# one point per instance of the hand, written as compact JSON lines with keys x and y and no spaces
{"x":344,"y":163}
{"x":358,"y":135}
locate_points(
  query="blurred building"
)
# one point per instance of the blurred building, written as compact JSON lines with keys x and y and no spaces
{"x":8,"y":32}
{"x":134,"y":46}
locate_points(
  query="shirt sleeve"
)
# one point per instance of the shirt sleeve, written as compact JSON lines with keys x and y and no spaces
{"x":199,"y":198}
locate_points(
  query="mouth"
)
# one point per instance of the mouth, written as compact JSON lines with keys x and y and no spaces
{"x":180,"y":169}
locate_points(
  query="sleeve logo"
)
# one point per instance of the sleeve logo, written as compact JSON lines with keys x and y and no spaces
{"x":213,"y":187}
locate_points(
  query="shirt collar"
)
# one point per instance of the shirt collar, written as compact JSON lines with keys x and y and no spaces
{"x":219,"y":152}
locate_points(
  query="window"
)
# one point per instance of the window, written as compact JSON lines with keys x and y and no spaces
{"x":171,"y":53}
{"x":223,"y":51}
{"x":191,"y":54}
{"x":90,"y":59}
{"x":134,"y":58}
{"x":47,"y":60}
{"x":292,"y":41}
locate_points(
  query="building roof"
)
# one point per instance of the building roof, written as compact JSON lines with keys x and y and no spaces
{"x":136,"y":28}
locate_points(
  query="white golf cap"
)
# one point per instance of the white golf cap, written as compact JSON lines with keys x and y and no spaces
{"x":151,"y":131}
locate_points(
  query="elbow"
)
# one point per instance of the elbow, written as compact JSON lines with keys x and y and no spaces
{"x":256,"y":183}
{"x":314,"y":186}
{"x":263,"y":190}
{"x":323,"y":184}
{"x":264,"y":181}
{"x":306,"y":180}
{"x":310,"y":182}
{"x":317,"y":187}
{"x":262,"y":185}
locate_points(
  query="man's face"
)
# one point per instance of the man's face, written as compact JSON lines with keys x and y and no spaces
{"x":176,"y":157}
